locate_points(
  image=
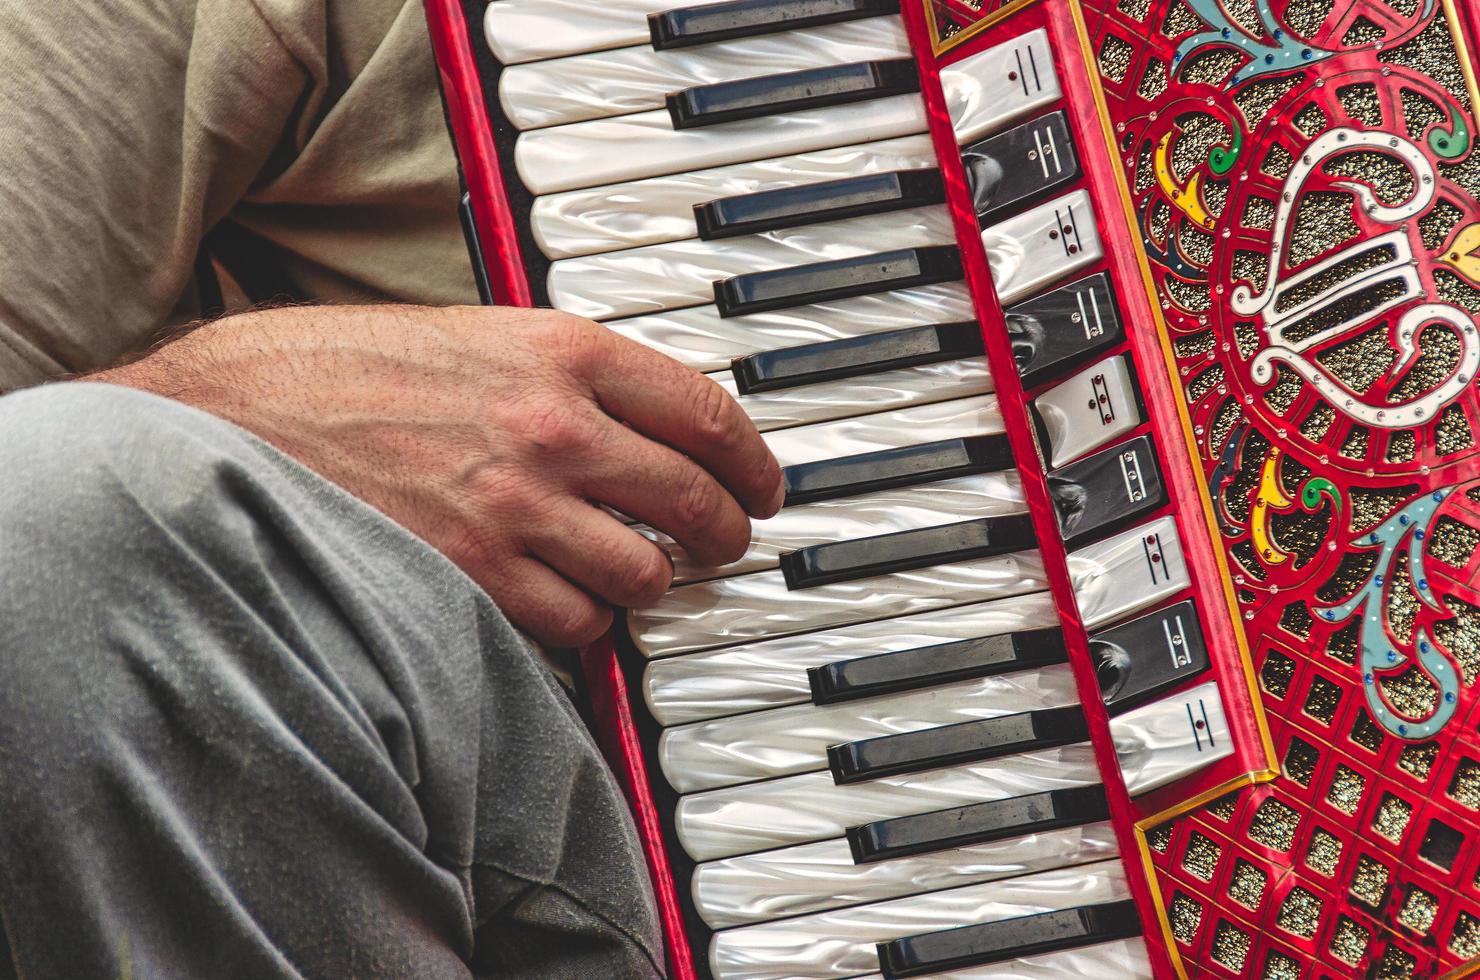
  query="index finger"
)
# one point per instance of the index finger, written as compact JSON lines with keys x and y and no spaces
{"x":682,"y":408}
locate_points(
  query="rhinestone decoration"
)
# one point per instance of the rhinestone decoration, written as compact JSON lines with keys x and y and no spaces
{"x":1418,"y":760}
{"x":1347,"y":786}
{"x":1349,"y":941}
{"x":1392,"y":817}
{"x":1224,"y":807}
{"x":1366,"y":733}
{"x":1185,"y":915}
{"x":1247,"y":884}
{"x":1323,"y":853}
{"x":1115,"y":59}
{"x":1159,"y":838}
{"x":1418,"y":910}
{"x":1396,"y":964}
{"x":1465,"y":940}
{"x":1322,"y":700}
{"x":1464,"y":788}
{"x":1230,"y":946}
{"x":1460,"y":635}
{"x":1274,"y":825}
{"x":1300,"y":761}
{"x":1369,"y":881}
{"x":1276,"y":673}
{"x":1278,"y":966}
{"x":1201,"y":857}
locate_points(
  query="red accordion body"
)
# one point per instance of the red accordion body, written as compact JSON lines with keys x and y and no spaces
{"x":1288,"y":197}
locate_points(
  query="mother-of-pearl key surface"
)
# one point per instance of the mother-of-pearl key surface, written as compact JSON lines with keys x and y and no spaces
{"x":661,"y":209}
{"x":818,"y":522}
{"x":841,"y":943}
{"x":881,"y":391}
{"x":773,"y":673}
{"x":1155,"y":744}
{"x":699,"y":337}
{"x":634,"y":79}
{"x":677,"y":274}
{"x":812,"y":806}
{"x":981,"y":94}
{"x":824,"y":875}
{"x":782,"y":741}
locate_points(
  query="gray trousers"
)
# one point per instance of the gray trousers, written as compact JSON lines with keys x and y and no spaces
{"x":249,"y":727}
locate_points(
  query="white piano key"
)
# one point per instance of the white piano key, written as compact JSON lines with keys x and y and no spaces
{"x":661,"y":209}
{"x":883,"y":391}
{"x":735,"y":820}
{"x":842,"y":942}
{"x":1089,"y":410}
{"x":702,"y":339}
{"x":677,"y":274}
{"x":750,"y":607}
{"x":785,"y":741}
{"x":773,"y":673}
{"x":1171,"y":738}
{"x":645,"y":144}
{"x":1128,"y":572}
{"x":616,"y":82}
{"x":978,"y":415}
{"x":900,"y":509}
{"x":528,"y":30}
{"x":1122,"y":959}
{"x":821,"y":876}
{"x":1032,"y":250}
{"x":999,"y":85}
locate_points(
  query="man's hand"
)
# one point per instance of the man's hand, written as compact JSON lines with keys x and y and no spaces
{"x":493,"y":434}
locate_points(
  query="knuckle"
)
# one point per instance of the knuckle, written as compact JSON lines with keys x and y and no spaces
{"x":559,"y":427}
{"x":714,"y":415}
{"x":698,"y":500}
{"x":577,"y":340}
{"x":575,"y":624}
{"x":650,"y":576}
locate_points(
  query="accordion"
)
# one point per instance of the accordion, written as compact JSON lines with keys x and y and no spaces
{"x":1122,"y":619}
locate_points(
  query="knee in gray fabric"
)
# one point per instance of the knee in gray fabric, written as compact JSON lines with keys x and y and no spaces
{"x":95,"y":483}
{"x":79,"y":459}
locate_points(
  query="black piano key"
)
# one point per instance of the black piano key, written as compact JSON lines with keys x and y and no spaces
{"x":1103,"y":493}
{"x":978,"y":823}
{"x":949,"y":745}
{"x":843,"y":561}
{"x":793,"y":91}
{"x":1052,"y":332}
{"x":940,"y":663}
{"x":848,"y":476}
{"x":830,"y":200}
{"x":1139,"y":660}
{"x":1010,"y":169}
{"x":687,"y":26}
{"x":1006,"y":939}
{"x":850,"y":357}
{"x":818,"y":282}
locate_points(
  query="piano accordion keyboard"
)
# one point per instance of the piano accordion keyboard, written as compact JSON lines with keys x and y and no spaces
{"x":870,"y":721}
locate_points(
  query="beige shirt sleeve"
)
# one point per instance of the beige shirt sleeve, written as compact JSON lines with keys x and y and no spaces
{"x":129,"y":129}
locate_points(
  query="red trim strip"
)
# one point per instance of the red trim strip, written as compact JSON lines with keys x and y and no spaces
{"x":617,"y":733}
{"x":472,"y":135}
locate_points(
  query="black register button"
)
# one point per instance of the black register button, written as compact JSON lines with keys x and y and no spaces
{"x":883,"y":554}
{"x":940,"y":663}
{"x":750,"y":18}
{"x":1006,"y":939}
{"x":847,"y":476}
{"x":948,"y":745}
{"x":978,"y":823}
